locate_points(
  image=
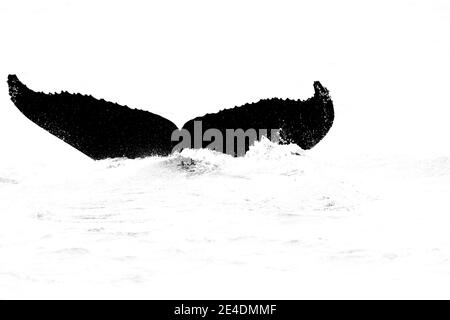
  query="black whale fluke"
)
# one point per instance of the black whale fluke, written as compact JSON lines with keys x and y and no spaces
{"x":98,"y":128}
{"x":102,"y":129}
{"x":304,"y":123}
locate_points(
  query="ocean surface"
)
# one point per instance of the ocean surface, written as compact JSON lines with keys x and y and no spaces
{"x":277,"y":223}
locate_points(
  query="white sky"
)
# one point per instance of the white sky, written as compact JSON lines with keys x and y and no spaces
{"x":386,"y":63}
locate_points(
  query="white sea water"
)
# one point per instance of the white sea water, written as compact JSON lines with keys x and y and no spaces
{"x":278,"y":223}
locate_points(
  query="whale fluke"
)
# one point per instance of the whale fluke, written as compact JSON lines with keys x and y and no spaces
{"x":98,"y":128}
{"x":102,"y":129}
{"x":304,"y":123}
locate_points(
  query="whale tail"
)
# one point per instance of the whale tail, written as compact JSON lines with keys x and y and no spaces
{"x":102,"y":129}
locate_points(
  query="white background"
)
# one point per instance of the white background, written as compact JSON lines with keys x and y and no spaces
{"x":363,"y":214}
{"x":386,"y":63}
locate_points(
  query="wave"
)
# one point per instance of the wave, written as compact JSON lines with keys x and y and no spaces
{"x":264,"y":156}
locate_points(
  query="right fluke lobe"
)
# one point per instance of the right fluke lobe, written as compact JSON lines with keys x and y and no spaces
{"x":304,"y":123}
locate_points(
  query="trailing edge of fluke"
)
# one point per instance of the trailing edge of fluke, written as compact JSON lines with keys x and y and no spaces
{"x":102,"y":129}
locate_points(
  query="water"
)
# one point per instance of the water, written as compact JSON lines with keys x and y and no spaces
{"x":277,"y":223}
